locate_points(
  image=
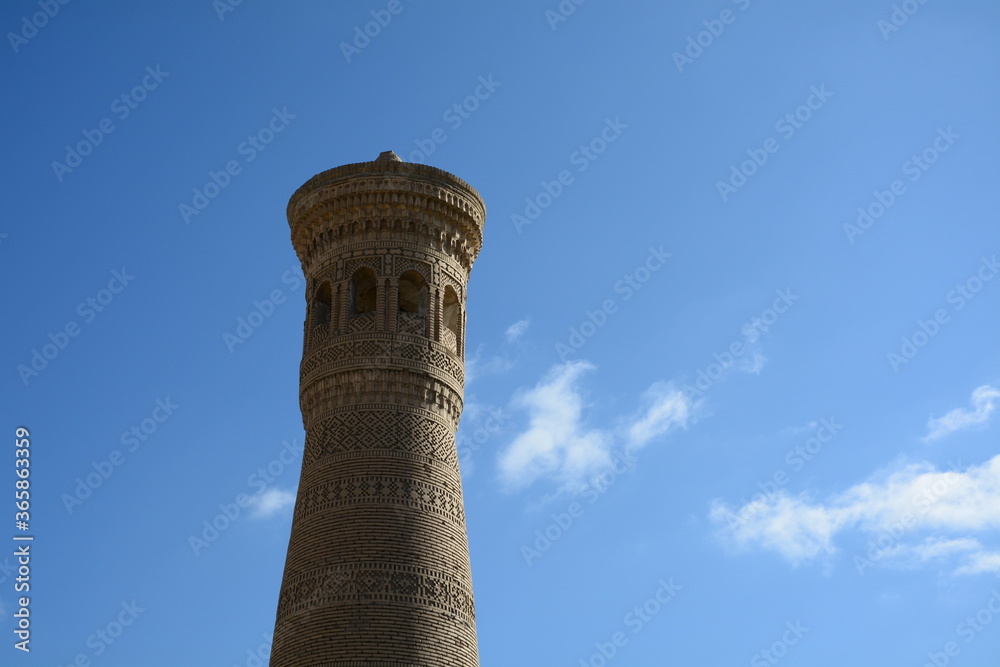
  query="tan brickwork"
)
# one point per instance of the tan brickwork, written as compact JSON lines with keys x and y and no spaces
{"x":377,"y":572}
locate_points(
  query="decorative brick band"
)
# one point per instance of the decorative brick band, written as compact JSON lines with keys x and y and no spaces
{"x":369,"y":350}
{"x":366,"y":581}
{"x":402,"y":491}
{"x":380,"y":430}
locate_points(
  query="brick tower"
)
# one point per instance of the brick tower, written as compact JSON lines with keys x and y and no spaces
{"x":377,"y":571}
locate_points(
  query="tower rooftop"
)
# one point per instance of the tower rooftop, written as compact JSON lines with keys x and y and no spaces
{"x":388,"y":162}
{"x":384,"y":190}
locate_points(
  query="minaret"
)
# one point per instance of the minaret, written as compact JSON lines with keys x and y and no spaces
{"x":377,"y":571}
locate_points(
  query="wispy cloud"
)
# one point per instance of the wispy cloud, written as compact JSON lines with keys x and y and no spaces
{"x":479,"y":365}
{"x":754,"y":363}
{"x":516,"y":330}
{"x":744,"y":356}
{"x":981,"y":562}
{"x":270,"y":502}
{"x":666,"y":407}
{"x":901,"y":505}
{"x":983,"y":405}
{"x":557,"y":442}
{"x":975,"y":558}
{"x":798,"y":430}
{"x":931,"y":549}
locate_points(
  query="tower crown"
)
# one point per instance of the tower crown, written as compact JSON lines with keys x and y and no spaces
{"x":365,"y":198}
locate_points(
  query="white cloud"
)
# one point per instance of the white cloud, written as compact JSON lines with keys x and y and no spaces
{"x":981,"y":562}
{"x":516,"y":330}
{"x":558,"y":444}
{"x":895,"y":507}
{"x":983,"y":405}
{"x":787,"y":525}
{"x":270,"y":502}
{"x":667,"y":407}
{"x":973,"y":556}
{"x":555,"y":442}
{"x":904,"y":555}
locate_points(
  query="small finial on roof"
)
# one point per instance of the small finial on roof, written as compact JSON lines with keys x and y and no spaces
{"x":388,"y":156}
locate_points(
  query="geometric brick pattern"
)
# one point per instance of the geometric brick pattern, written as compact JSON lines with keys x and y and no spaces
{"x":346,"y":583}
{"x":377,"y":571}
{"x":367,"y":350}
{"x":404,"y":492}
{"x":383,"y":431}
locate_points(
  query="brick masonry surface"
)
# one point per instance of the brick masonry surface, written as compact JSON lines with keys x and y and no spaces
{"x":377,"y":571}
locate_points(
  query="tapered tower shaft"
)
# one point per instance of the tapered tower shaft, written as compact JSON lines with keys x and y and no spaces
{"x":377,"y":571}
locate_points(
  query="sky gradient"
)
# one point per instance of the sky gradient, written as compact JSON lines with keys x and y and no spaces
{"x":733,"y":355}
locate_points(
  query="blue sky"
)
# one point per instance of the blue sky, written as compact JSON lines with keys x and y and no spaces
{"x":732,"y":338}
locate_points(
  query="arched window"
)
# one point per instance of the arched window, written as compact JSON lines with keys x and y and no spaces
{"x":363,"y":292}
{"x":321,"y":305}
{"x":451,"y":318}
{"x":412,"y":293}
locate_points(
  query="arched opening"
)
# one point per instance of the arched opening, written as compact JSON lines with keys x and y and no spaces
{"x":363,"y":292}
{"x":321,"y":305}
{"x":412,"y":301}
{"x":451,"y":318}
{"x":412,"y":293}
